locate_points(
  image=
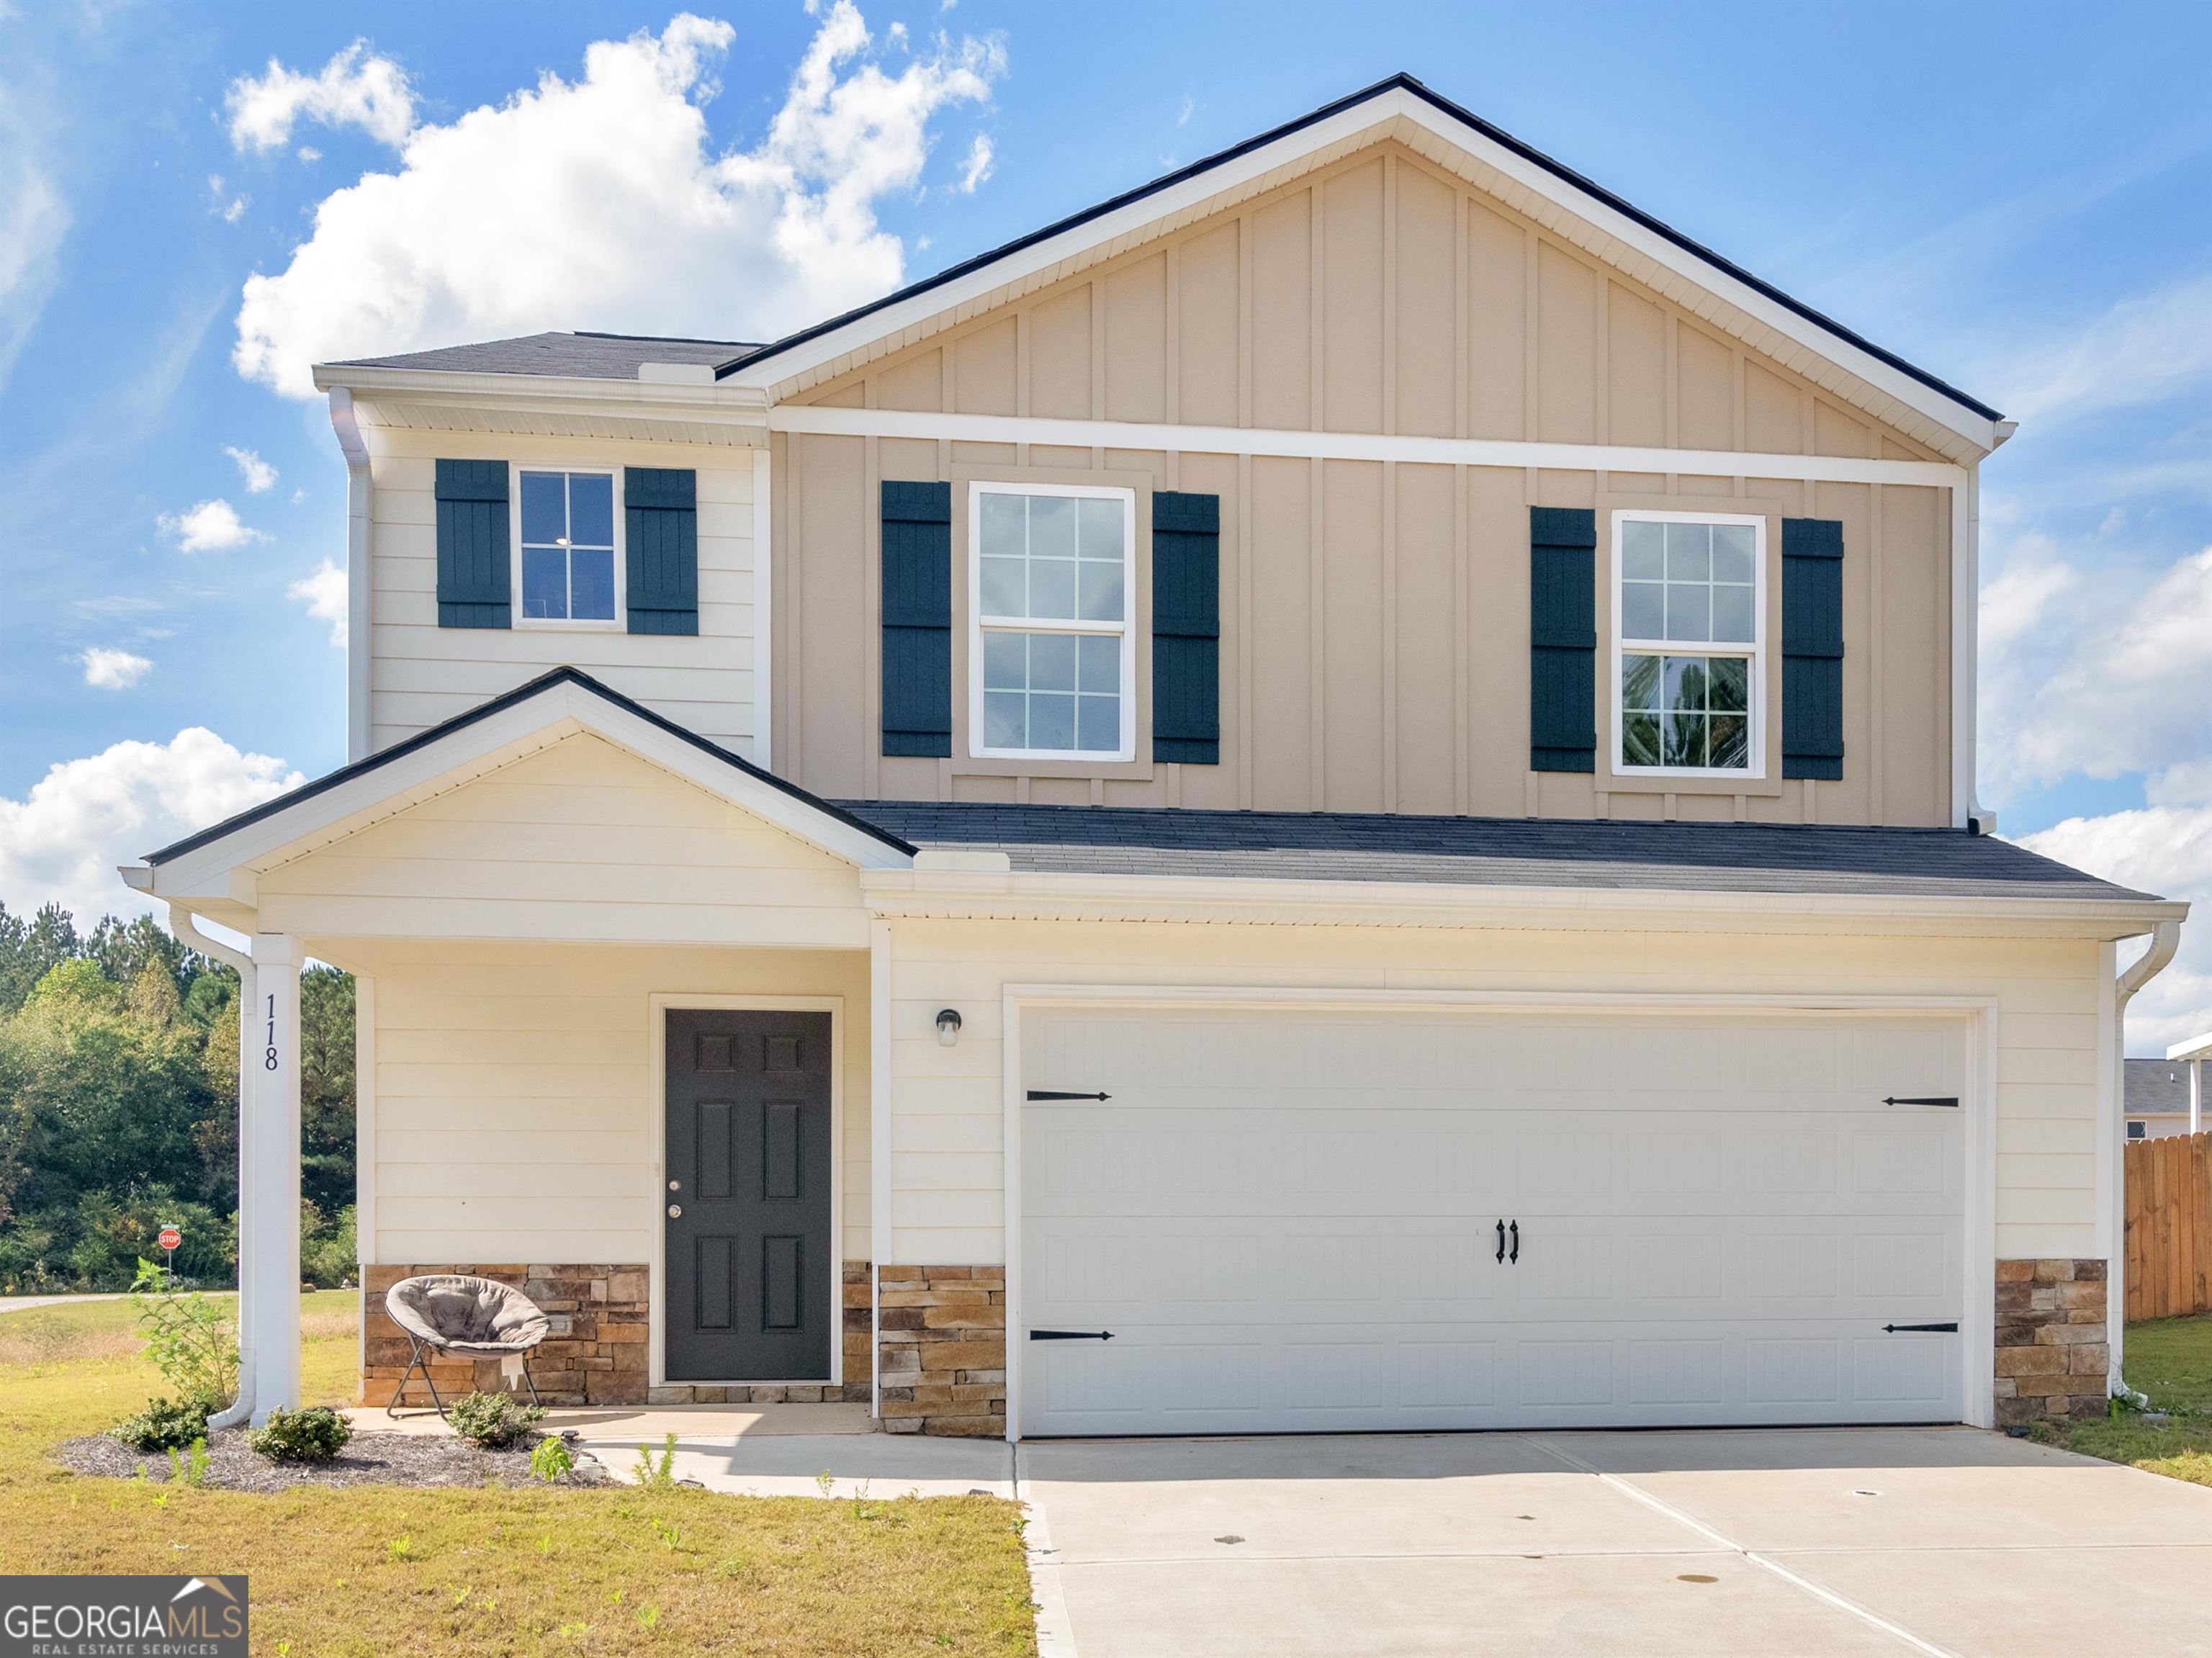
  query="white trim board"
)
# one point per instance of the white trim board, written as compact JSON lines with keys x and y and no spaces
{"x":659,"y":1004}
{"x":1977,"y":1014}
{"x":818,"y":420}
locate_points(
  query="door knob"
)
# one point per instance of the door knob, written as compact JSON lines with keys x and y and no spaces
{"x":676,"y":1212}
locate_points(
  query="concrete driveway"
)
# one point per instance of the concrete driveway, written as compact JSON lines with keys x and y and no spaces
{"x":1771,"y":1542}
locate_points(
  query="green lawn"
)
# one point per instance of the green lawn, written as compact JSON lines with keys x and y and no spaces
{"x":380,"y":1569}
{"x":2169,"y":1361}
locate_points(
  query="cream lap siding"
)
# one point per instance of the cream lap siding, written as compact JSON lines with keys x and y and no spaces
{"x":1374,"y":642}
{"x":515,"y":1120}
{"x":947,"y":1123}
{"x":420,"y":673}
{"x":576,"y":841}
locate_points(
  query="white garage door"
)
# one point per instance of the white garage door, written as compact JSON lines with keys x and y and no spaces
{"x":1289,"y":1220}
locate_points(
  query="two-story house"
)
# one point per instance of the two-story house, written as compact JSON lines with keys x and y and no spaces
{"x":1337,"y":794}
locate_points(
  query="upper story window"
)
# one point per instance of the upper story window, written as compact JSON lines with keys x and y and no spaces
{"x":1689,"y":632}
{"x":1051,"y":653}
{"x":568,"y":554}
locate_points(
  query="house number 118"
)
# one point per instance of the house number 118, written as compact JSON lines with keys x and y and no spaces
{"x":269,"y":1059}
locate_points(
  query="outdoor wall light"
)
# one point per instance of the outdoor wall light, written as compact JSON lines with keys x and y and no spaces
{"x":948,"y":1028}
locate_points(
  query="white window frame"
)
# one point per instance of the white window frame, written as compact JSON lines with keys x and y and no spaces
{"x":978,"y":623}
{"x":1754,"y":653}
{"x":620,"y":622}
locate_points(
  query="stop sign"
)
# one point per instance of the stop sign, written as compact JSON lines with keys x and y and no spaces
{"x":169,"y":1237}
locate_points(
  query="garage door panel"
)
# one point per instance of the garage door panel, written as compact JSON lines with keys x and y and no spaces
{"x":1289,"y":1222}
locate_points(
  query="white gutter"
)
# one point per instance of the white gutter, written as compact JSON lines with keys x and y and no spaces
{"x":182,"y":923}
{"x":2164,"y":940}
{"x":358,"y":483}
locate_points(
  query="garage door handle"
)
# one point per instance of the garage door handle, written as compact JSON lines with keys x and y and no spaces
{"x":1951,"y":1100}
{"x":1070,"y":1335}
{"x":1951,"y":1328}
{"x":1515,"y":1256}
{"x":1501,"y":1243}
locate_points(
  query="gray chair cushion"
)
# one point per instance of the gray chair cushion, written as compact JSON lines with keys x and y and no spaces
{"x":457,"y":1313}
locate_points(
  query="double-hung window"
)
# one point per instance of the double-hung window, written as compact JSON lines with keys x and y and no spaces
{"x":1689,"y":631}
{"x":568,"y":549}
{"x":1051,"y":652}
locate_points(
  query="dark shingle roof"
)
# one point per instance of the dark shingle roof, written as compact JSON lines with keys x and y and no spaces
{"x":2156,"y":1087}
{"x":581,"y":356}
{"x":1492,"y":850}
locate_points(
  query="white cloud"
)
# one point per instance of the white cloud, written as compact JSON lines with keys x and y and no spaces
{"x":356,"y":88}
{"x":2164,"y":848}
{"x":323,"y":594}
{"x":258,"y":474}
{"x":979,"y":165}
{"x":211,"y":526}
{"x":600,"y":202}
{"x":2142,"y":350}
{"x":113,"y":670}
{"x":34,"y":220}
{"x":63,"y":841}
{"x":308,"y":153}
{"x":2082,"y":676}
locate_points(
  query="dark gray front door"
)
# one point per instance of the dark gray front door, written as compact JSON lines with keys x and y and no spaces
{"x":748,"y":1201}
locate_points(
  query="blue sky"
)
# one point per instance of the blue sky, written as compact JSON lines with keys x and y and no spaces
{"x":2017,"y":197}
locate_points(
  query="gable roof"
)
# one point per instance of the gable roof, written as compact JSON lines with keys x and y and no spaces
{"x":1407,"y":84}
{"x":486,"y":734}
{"x":2158,"y":1087}
{"x":1510,"y":852}
{"x":580,"y":356}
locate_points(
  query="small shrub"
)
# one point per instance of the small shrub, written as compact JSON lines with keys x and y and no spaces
{"x":166,"y":1424}
{"x":313,"y":1435}
{"x":192,"y":1341}
{"x":659,"y":1475}
{"x":493,"y":1420}
{"x":190,"y":1468}
{"x":552,"y":1461}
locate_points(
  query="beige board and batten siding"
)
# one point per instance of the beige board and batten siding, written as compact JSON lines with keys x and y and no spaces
{"x":1374,"y":614}
{"x":420,"y":673}
{"x":515,"y":929}
{"x":948,"y":1103}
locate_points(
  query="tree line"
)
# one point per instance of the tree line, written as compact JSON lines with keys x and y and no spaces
{"x":118,"y":1107}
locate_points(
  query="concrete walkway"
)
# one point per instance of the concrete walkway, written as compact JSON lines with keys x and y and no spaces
{"x":33,"y":1304}
{"x":1936,"y":1541}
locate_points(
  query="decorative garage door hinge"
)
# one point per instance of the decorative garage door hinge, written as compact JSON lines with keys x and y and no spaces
{"x":1070,"y":1335}
{"x":1951,"y":1100}
{"x":1060,"y":1094}
{"x":1951,"y":1328}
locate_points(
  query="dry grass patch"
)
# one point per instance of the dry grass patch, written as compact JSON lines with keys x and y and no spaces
{"x":379,"y":1571}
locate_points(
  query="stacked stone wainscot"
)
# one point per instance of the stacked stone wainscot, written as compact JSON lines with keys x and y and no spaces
{"x":2051,"y":1352}
{"x":941,"y":1350}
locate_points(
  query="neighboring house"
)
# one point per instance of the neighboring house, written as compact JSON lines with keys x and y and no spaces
{"x":1355,"y":768}
{"x":2166,"y":1096}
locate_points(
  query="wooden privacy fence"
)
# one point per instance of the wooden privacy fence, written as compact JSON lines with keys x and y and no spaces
{"x":2169,"y":1226}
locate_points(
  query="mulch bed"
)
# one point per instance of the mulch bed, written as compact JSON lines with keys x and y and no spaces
{"x":370,"y":1459}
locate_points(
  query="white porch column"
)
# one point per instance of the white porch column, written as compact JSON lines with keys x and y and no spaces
{"x":270,"y":1154}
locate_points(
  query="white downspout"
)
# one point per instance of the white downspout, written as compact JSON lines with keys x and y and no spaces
{"x":2164,"y":940}
{"x":347,"y":424}
{"x":183,"y":924}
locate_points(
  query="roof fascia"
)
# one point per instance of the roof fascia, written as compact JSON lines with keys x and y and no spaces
{"x":777,"y":363}
{"x":726,"y":399}
{"x":929,"y":890}
{"x":383,"y":786}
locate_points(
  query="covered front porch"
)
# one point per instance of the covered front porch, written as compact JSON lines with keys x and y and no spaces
{"x":614,"y":1031}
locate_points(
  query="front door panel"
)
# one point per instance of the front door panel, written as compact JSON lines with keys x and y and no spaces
{"x":750,"y":1278}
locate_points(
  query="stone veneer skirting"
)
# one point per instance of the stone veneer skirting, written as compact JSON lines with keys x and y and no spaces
{"x":2051,"y":1354}
{"x":599,"y":1350}
{"x":941,"y":1347}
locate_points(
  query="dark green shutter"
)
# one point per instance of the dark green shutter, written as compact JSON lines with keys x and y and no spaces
{"x":1562,"y":638}
{"x":1813,"y":648}
{"x":918,"y":619}
{"x":1187,"y":628}
{"x":473,"y":545}
{"x":660,"y":534}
